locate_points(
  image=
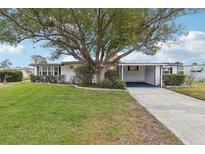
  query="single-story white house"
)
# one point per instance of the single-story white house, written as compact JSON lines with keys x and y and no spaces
{"x":150,"y":73}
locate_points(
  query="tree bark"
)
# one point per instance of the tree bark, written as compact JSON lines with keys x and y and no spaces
{"x":100,"y":75}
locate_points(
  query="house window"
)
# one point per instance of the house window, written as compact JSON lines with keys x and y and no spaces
{"x":44,"y":70}
{"x":56,"y":71}
{"x":38,"y":72}
{"x":170,"y":70}
{"x":49,"y":70}
{"x":167,"y":70}
{"x":133,"y":68}
{"x":59,"y":70}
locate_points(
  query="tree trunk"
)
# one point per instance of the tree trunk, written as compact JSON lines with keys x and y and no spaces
{"x":100,"y":76}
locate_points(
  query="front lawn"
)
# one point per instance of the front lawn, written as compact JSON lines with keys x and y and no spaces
{"x":48,"y":114}
{"x":197,"y":90}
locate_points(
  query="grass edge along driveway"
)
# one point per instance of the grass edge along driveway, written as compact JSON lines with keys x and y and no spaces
{"x":197,"y":90}
{"x":48,"y":114}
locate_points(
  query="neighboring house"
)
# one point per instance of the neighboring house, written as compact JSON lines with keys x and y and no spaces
{"x":26,"y":71}
{"x":150,"y":73}
{"x":198,"y":71}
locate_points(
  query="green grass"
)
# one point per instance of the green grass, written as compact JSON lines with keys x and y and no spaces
{"x":48,"y":114}
{"x":197,"y":90}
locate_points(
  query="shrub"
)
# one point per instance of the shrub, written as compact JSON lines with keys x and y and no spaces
{"x":119,"y":84}
{"x":190,"y":78}
{"x":11,"y":75}
{"x":35,"y":78}
{"x":106,"y":84}
{"x":116,"y":84}
{"x":173,"y":79}
{"x":84,"y":75}
{"x":181,"y":72}
{"x":48,"y":79}
{"x":111,"y":75}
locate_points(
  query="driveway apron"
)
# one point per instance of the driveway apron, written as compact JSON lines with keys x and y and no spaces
{"x":183,"y":115}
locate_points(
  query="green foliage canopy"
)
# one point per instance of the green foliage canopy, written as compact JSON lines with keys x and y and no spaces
{"x":98,"y":37}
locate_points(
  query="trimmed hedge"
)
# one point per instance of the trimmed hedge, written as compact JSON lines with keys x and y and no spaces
{"x":116,"y":84}
{"x":173,"y":79}
{"x":47,"y":79}
{"x":11,"y":75}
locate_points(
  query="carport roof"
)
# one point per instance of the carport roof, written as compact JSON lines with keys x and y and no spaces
{"x":144,"y":64}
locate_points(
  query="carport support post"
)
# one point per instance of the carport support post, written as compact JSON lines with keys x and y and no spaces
{"x":161,"y":72}
{"x":122,"y":71}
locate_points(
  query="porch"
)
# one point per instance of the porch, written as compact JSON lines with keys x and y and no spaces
{"x":47,"y":70}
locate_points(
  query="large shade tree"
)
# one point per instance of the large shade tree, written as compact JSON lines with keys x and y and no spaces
{"x":98,"y":37}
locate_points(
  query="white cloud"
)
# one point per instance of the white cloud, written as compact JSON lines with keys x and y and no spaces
{"x":10,"y":48}
{"x":190,"y":49}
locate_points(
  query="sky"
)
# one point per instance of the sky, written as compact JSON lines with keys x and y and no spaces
{"x":191,"y":48}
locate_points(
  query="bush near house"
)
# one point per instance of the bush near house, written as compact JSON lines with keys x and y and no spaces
{"x":116,"y":84}
{"x":11,"y":75}
{"x":34,"y":78}
{"x":112,"y":75}
{"x":51,"y":79}
{"x":84,"y":75}
{"x":119,"y":84}
{"x":106,"y":84}
{"x":173,"y":79}
{"x":47,"y":79}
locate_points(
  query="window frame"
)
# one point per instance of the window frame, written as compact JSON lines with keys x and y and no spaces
{"x":134,"y":70}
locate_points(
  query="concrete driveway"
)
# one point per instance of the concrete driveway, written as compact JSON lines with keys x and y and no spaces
{"x":183,"y":115}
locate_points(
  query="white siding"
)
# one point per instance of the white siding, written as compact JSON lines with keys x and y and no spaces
{"x":68,"y":72}
{"x":134,"y":76}
{"x":149,"y":74}
{"x":25,"y":74}
{"x":35,"y":70}
{"x":174,"y":68}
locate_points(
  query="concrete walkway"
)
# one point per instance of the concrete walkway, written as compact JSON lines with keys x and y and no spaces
{"x":183,"y":115}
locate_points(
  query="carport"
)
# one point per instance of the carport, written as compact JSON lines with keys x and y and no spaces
{"x":141,"y":74}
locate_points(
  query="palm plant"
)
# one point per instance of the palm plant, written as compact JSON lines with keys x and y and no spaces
{"x":5,"y":63}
